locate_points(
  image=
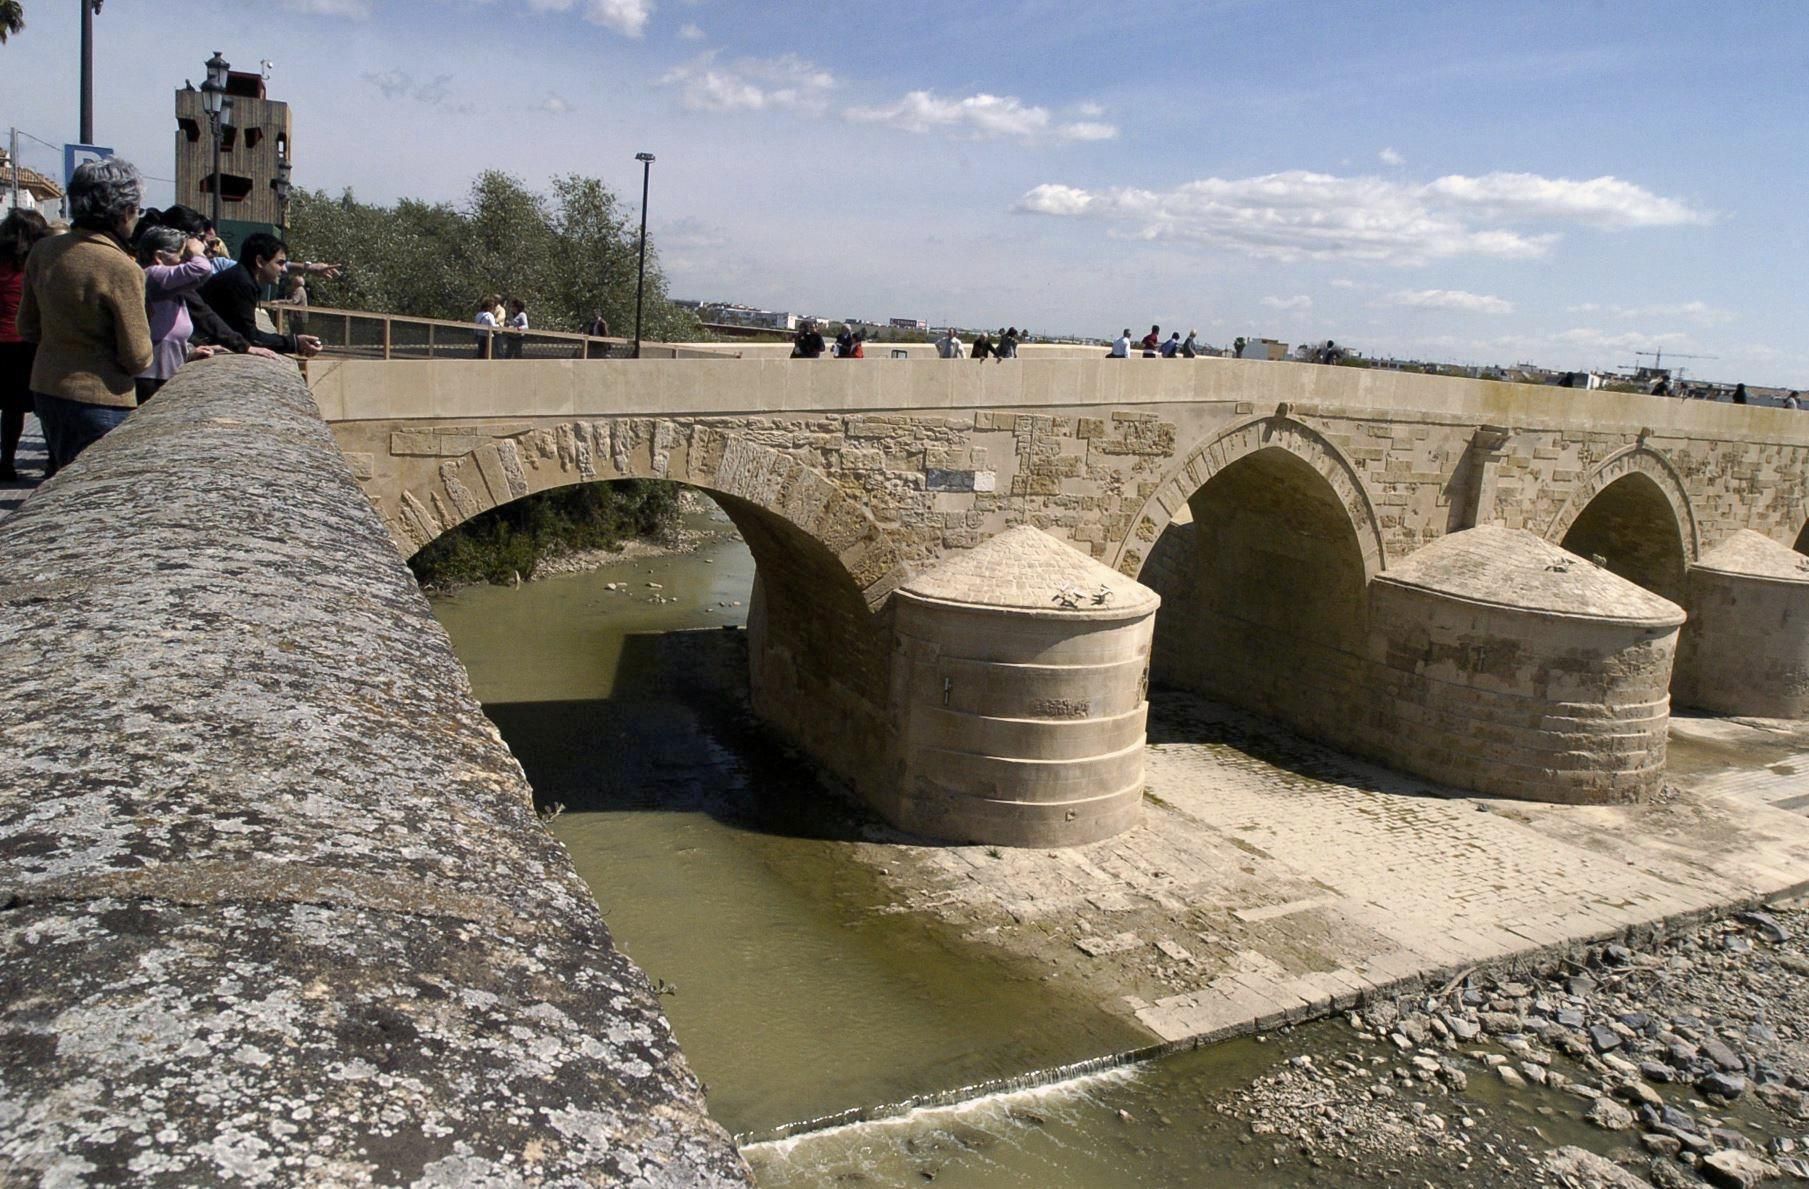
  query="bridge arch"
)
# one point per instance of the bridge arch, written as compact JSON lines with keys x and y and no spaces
{"x":818,"y":650}
{"x":751,"y":475}
{"x":1264,"y":576}
{"x":1633,"y":512}
{"x":1279,"y":432}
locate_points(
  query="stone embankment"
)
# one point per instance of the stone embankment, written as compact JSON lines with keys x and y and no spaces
{"x":1682,"y":1063}
{"x":275,"y":906}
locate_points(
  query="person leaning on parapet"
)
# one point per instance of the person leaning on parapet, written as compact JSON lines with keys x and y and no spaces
{"x":84,"y":305}
{"x":982,"y":345}
{"x":1121,"y":346}
{"x":1791,"y":400}
{"x":175,"y":265}
{"x":233,"y":294}
{"x":808,"y":344}
{"x":1008,"y":344}
{"x":1190,"y":348}
{"x":1171,"y":346}
{"x":949,"y":346}
{"x":1739,"y":394}
{"x":1151,"y":342}
{"x":20,"y":231}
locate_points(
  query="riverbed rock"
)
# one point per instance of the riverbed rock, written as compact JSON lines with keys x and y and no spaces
{"x":1582,"y":1169}
{"x":1604,"y":1038}
{"x":1511,"y":1076}
{"x":1499,"y":1022}
{"x":1661,"y":1145}
{"x":1726,"y":1085}
{"x":1732,"y":1169}
{"x":1721,"y":1055}
{"x":1610,"y":1115}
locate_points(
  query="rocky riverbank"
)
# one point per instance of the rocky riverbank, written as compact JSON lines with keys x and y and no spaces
{"x":1681,"y":1062}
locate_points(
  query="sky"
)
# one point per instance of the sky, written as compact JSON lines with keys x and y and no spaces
{"x":1488,"y":181}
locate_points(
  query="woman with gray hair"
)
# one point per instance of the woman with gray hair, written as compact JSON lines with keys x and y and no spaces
{"x":84,"y":305}
{"x":175,"y":265}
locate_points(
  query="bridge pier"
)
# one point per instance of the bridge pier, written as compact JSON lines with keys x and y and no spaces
{"x":1745,"y":650}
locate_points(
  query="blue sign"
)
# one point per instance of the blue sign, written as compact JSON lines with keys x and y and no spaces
{"x":75,"y":155}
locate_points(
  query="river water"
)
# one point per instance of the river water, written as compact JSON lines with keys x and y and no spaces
{"x":802,"y":999}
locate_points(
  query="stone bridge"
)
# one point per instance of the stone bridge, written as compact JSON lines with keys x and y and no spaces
{"x":1481,"y":583}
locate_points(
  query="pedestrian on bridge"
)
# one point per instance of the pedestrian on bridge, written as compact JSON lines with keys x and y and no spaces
{"x":18,"y":233}
{"x":515,"y":331}
{"x":809,"y":342}
{"x":83,"y":304}
{"x":949,"y":346}
{"x":486,"y":323}
{"x":1189,"y":347}
{"x":233,"y":294}
{"x":175,"y":265}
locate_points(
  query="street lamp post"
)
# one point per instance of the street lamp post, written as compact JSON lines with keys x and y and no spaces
{"x":89,"y":8}
{"x":213,"y":97}
{"x":281,"y":185}
{"x":640,"y":284}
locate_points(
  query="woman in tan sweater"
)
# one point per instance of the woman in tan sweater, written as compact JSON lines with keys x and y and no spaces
{"x":84,"y":305}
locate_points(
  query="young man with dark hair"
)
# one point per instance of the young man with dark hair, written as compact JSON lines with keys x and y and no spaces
{"x":233,"y":294}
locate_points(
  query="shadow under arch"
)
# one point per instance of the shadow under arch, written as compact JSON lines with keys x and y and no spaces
{"x":1277,"y":432}
{"x":1264,"y":581}
{"x":1633,"y":512}
{"x":1631,"y":524}
{"x":1802,"y":539}
{"x":818,"y":645}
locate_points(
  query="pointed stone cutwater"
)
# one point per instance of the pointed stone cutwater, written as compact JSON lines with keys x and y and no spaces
{"x":1510,"y":666}
{"x":1745,"y":650}
{"x":1018,"y":693}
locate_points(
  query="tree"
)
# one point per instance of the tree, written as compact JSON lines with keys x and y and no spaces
{"x":566,"y":254}
{"x":12,"y":19}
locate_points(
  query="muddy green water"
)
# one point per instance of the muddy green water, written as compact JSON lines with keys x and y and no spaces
{"x":725,"y":869}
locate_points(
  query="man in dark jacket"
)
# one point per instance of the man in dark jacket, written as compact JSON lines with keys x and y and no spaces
{"x":233,"y":294}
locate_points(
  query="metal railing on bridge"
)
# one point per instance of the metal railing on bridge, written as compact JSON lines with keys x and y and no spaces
{"x":362,"y":334}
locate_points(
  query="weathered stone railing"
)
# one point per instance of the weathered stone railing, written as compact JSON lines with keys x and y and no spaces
{"x":275,"y":907}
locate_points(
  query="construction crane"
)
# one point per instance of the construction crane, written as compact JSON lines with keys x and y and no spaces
{"x":1658,"y":359}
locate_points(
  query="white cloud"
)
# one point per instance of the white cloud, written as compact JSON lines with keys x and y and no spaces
{"x":982,"y":116}
{"x":1450,"y":299}
{"x":554,"y":103}
{"x":627,"y":17}
{"x":1390,"y":157}
{"x":356,"y":9}
{"x":1699,"y":312}
{"x":1589,"y":336}
{"x":750,"y":84}
{"x":1599,"y":202}
{"x":690,"y":32}
{"x":1299,"y":215}
{"x":1298,"y":304}
{"x":1052,"y":199}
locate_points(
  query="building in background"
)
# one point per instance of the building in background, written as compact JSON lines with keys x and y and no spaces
{"x":34,"y":191}
{"x":256,"y":146}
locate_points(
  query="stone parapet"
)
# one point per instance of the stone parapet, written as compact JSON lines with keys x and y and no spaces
{"x":278,"y":906}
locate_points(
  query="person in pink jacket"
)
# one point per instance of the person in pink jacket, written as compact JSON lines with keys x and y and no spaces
{"x":175,"y":265}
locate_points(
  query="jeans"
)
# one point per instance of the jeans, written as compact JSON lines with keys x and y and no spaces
{"x":70,"y":426}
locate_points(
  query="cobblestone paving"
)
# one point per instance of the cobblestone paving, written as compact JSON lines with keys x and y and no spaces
{"x":1272,"y":879}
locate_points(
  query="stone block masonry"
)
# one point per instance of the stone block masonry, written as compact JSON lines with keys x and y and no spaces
{"x":1305,"y":486}
{"x":277,"y":906}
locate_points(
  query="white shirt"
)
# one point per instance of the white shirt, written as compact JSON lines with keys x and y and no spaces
{"x":486,"y":322}
{"x":1121,"y":347}
{"x":519,"y":321}
{"x":948,"y":347}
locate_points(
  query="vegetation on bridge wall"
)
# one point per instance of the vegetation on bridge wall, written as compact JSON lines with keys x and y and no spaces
{"x":511,"y":541}
{"x":567,"y":254}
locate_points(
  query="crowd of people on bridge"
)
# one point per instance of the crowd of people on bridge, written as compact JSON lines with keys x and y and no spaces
{"x":97,"y":316}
